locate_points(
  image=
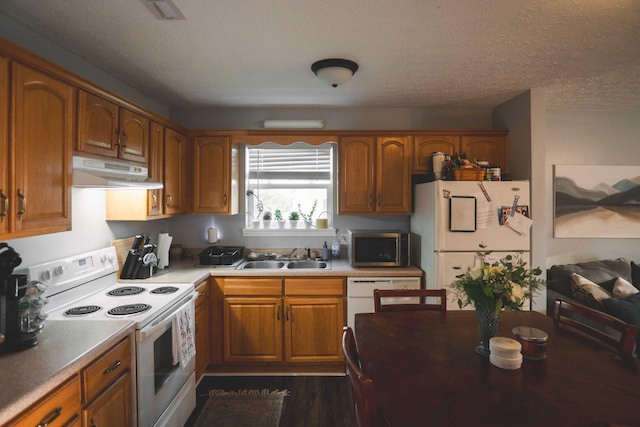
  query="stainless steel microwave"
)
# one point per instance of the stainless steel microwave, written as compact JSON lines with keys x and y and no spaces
{"x":375,"y":248}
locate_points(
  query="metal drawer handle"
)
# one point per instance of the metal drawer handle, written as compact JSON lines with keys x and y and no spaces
{"x":4,"y":205}
{"x":168,"y":200}
{"x":113,"y":368}
{"x":278,"y":313}
{"x":154,"y":201}
{"x":50,"y":417}
{"x":23,"y":203}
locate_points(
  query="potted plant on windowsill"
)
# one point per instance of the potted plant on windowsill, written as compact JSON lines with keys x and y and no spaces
{"x":266,"y":219}
{"x":294,"y":217}
{"x":308,"y":218}
{"x":278,"y":216}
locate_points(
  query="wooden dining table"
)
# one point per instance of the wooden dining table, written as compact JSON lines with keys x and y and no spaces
{"x":426,"y":373}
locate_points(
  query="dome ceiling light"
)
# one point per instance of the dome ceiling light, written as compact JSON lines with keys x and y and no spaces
{"x":334,"y":71}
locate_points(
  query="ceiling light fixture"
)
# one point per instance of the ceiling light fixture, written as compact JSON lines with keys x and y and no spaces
{"x":163,"y":9}
{"x":293,"y":124}
{"x":334,"y":71}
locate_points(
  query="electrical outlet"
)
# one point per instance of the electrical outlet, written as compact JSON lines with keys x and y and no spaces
{"x":343,"y":239}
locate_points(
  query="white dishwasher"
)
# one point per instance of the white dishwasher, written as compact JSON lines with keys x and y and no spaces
{"x":360,"y":293}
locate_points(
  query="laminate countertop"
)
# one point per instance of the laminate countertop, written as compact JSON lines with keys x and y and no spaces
{"x":187,"y":271}
{"x":63,"y":349}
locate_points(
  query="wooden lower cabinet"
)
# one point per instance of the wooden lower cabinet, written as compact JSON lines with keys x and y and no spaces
{"x":202,"y":329}
{"x":113,"y":407}
{"x":100,"y":395}
{"x":282,"y":321}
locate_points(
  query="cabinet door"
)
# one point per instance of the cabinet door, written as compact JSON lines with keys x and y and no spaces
{"x":113,"y":407}
{"x":252,"y":329}
{"x":490,"y":148}
{"x":425,"y":146}
{"x":393,"y":176}
{"x":43,"y":130}
{"x":4,"y":146}
{"x":202,"y":329}
{"x":356,"y":166}
{"x":156,"y":170}
{"x":212,"y":175}
{"x":175,"y":153}
{"x":97,"y":125}
{"x":133,"y":136}
{"x":313,"y":328}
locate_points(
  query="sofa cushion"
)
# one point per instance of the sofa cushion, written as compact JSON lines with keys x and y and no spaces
{"x":635,"y":274}
{"x":587,"y":292}
{"x":602,"y":272}
{"x":623,"y":289}
{"x":626,"y":309}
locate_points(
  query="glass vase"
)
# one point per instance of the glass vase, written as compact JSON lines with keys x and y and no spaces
{"x":488,"y":321}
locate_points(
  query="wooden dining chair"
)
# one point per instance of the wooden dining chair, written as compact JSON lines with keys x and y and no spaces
{"x":587,"y":321}
{"x":365,"y":406}
{"x":379,"y":294}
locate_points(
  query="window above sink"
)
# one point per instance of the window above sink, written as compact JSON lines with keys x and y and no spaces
{"x":284,"y":180}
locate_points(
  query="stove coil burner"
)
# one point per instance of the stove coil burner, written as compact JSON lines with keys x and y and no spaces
{"x":82,"y":311}
{"x":129,"y":309}
{"x":126,"y":290}
{"x":163,"y":290}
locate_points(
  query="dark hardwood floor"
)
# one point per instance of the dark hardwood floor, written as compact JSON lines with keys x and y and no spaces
{"x":313,"y":401}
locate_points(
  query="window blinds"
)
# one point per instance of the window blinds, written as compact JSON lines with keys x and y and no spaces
{"x":312,"y":163}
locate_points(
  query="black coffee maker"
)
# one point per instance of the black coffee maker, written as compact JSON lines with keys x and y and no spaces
{"x":12,"y":288}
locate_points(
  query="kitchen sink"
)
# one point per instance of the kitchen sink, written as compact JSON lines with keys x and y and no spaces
{"x":263,"y":264}
{"x":307,"y":264}
{"x":285,"y":264}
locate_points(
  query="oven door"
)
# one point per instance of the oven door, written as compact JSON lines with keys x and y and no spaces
{"x":159,"y":377}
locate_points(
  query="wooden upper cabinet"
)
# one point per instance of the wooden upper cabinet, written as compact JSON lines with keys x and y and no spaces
{"x":485,"y":145}
{"x":108,"y":130}
{"x":156,"y":169}
{"x":175,"y":172}
{"x":425,"y":145}
{"x":215,"y":175}
{"x":4,"y":146}
{"x":44,"y":111}
{"x":393,"y":176}
{"x":490,"y":148}
{"x":356,"y":172}
{"x":374,"y":175}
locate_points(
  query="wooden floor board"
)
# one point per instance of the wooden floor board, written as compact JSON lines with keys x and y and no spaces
{"x":313,"y":401}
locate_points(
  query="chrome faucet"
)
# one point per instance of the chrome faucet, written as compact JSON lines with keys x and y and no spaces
{"x":290,"y":254}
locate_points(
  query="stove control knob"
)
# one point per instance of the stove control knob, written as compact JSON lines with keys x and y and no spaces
{"x":46,"y":275}
{"x":58,"y":270}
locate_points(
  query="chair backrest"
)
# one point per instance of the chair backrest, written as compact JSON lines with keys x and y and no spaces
{"x":365,"y":406}
{"x":587,"y":320}
{"x":379,"y":294}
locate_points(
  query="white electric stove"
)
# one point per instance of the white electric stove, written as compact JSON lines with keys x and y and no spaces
{"x":85,"y":288}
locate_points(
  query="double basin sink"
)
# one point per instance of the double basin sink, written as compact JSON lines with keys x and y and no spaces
{"x":285,"y":264}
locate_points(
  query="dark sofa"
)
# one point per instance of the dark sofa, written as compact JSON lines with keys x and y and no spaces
{"x":604,"y":273}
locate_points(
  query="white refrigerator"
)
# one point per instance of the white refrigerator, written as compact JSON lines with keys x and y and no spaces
{"x":452,"y":218}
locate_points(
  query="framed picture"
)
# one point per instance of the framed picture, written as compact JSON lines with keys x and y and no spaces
{"x":462,"y":213}
{"x":596,"y":201}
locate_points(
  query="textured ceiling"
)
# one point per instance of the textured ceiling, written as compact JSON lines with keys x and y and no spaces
{"x":412,"y":53}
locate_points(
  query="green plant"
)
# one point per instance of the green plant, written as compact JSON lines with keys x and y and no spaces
{"x":497,"y":284}
{"x":278,"y":214}
{"x":308,"y":217}
{"x":293,"y":216}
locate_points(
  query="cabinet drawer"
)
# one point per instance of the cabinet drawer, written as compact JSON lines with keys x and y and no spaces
{"x":253,"y":287}
{"x":314,"y":286}
{"x":106,"y":369}
{"x":58,"y":408}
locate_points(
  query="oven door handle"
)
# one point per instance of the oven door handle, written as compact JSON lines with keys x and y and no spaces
{"x":165,"y":319}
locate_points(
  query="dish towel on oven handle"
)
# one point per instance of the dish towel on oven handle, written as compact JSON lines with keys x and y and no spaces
{"x":184,"y":345}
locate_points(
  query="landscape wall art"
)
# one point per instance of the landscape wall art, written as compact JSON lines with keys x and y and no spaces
{"x":596,"y":201}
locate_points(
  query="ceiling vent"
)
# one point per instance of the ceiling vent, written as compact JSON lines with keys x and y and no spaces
{"x":163,"y":9}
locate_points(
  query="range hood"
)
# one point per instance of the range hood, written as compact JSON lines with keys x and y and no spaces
{"x":111,"y":174}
